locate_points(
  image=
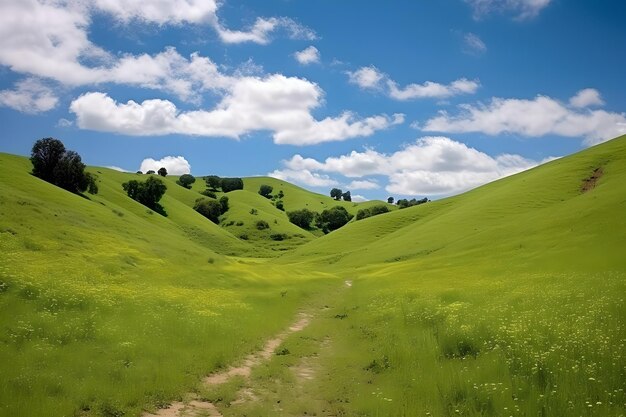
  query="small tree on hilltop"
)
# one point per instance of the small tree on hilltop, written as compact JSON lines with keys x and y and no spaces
{"x":148,"y":193}
{"x":213,"y":182}
{"x":45,"y":156}
{"x":266,"y":191}
{"x":231,"y":184}
{"x":150,"y":171}
{"x":390,"y":200}
{"x":336,"y":193}
{"x":347,"y":196}
{"x":186,"y":180}
{"x":162,"y":172}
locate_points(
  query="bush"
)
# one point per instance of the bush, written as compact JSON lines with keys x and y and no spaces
{"x":332,"y":219}
{"x":162,"y":172}
{"x":244,"y":236}
{"x":58,"y":166}
{"x":254,"y":212}
{"x":372,"y":211}
{"x":266,"y":191}
{"x":223,"y":204}
{"x":278,"y":236}
{"x":210,"y":209}
{"x":148,"y":193}
{"x":231,"y":184}
{"x":404,"y":203}
{"x":262,"y":225}
{"x":301,"y":218}
{"x":209,"y":193}
{"x":150,"y":171}
{"x":280,"y":206}
{"x":186,"y":180}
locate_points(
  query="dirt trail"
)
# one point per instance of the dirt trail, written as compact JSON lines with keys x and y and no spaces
{"x":195,"y":407}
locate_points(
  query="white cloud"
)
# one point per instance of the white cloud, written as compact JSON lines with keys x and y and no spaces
{"x":64,"y":123}
{"x":29,"y":96}
{"x":304,"y":177}
{"x":175,"y":165}
{"x":116,"y":168}
{"x":431,"y":166}
{"x":537,"y":117}
{"x":308,"y":55}
{"x":363,"y":185}
{"x":276,"y":103}
{"x":370,"y":78}
{"x":433,"y":90}
{"x":523,"y":9}
{"x":473,"y":44}
{"x":357,"y":198}
{"x":586,"y":98}
{"x":366,"y":77}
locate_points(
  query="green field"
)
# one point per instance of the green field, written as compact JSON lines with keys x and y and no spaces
{"x":507,"y":300}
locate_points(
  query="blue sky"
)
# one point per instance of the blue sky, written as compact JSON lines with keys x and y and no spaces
{"x":403,"y":98}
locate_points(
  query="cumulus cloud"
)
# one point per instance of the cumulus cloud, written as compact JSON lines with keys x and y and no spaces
{"x":363,"y":185}
{"x":175,"y":165}
{"x":537,"y":117}
{"x":64,"y":123}
{"x":473,"y":45}
{"x":357,"y":198}
{"x":370,"y":78}
{"x":276,"y":103}
{"x":29,"y":96}
{"x":431,"y":166}
{"x":49,"y":39}
{"x":586,"y":98}
{"x":304,"y":177}
{"x":522,"y":9}
{"x":310,"y":55}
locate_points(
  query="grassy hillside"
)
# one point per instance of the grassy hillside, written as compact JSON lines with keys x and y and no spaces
{"x":506,"y":300}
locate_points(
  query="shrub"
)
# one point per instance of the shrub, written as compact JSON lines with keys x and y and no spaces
{"x":301,"y":218}
{"x":262,"y":225}
{"x":280,"y":206}
{"x":223,"y":204}
{"x":186,"y":180}
{"x":243,"y":236}
{"x":254,"y":212}
{"x":150,"y":171}
{"x":162,"y":172}
{"x":210,"y":209}
{"x":372,"y":211}
{"x":209,"y":193}
{"x":266,"y":191}
{"x":278,"y":236}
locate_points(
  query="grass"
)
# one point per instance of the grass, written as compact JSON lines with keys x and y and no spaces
{"x":506,"y":300}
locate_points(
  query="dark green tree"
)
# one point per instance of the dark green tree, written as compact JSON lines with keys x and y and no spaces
{"x":150,"y":171}
{"x":301,"y":218}
{"x":280,"y":206}
{"x":333,"y":218}
{"x":266,"y":191}
{"x":210,"y":209}
{"x":213,"y":182}
{"x":162,"y":172}
{"x":148,"y":193}
{"x":45,"y":156}
{"x":223,"y":204}
{"x":390,"y":200}
{"x":186,"y":180}
{"x":231,"y":184}
{"x":280,"y":195}
{"x":336,"y":193}
{"x":347,"y":196}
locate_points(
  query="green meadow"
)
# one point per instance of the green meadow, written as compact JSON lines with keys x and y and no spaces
{"x":507,"y":300}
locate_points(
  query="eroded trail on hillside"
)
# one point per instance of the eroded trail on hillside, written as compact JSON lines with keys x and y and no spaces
{"x":193,"y":406}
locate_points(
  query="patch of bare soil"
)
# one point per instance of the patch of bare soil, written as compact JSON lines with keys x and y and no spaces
{"x":197,"y":408}
{"x":590,"y":183}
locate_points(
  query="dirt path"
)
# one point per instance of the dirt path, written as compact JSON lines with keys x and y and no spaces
{"x":194,"y":407}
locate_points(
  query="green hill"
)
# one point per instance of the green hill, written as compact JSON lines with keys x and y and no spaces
{"x":505,"y":300}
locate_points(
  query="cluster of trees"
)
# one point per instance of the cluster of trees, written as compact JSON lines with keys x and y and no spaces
{"x":148,"y":193}
{"x":337,"y":194}
{"x":215,"y":183}
{"x":266,"y":191}
{"x":372,"y":211}
{"x":212,"y":209}
{"x":61,"y":167}
{"x":404,"y":203}
{"x":328,"y":220}
{"x":186,"y":180}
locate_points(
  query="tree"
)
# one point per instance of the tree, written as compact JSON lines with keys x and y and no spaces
{"x":336,"y":193}
{"x":210,"y":209}
{"x":262,"y":225}
{"x":61,"y":167}
{"x":139,"y":172}
{"x":280,"y":206}
{"x":148,"y":193}
{"x":45,"y":156}
{"x":333,"y":218}
{"x":92,"y":186}
{"x":213,"y":182}
{"x":150,"y":171}
{"x":266,"y":190}
{"x":223,"y":204}
{"x":390,"y":200}
{"x":346,"y":196}
{"x":186,"y":180}
{"x":231,"y":184}
{"x":162,"y":172}
{"x":280,"y":195}
{"x":301,"y":218}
